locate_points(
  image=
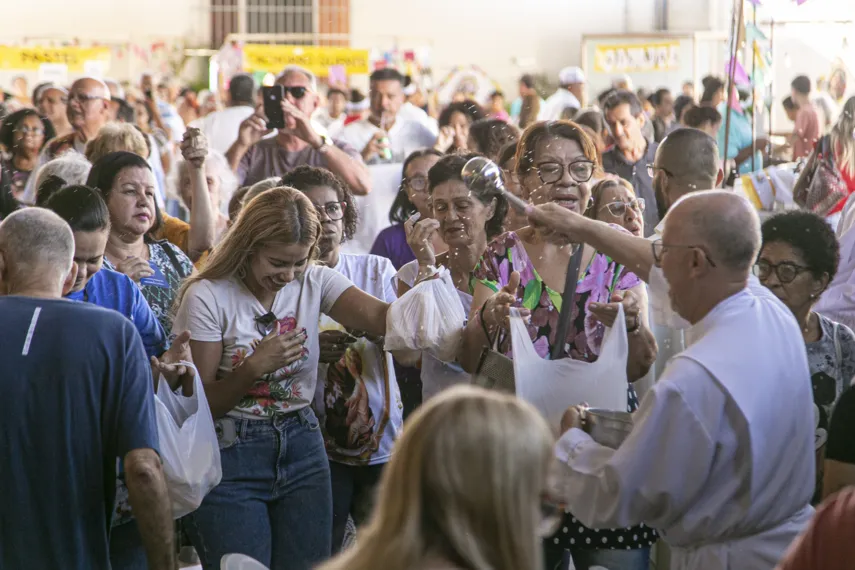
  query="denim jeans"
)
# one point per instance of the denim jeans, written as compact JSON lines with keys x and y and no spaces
{"x":353,"y":490}
{"x":558,"y":559}
{"x":274,"y":502}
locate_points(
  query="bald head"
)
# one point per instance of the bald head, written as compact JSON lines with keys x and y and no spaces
{"x":723,"y":222}
{"x":691,"y":159}
{"x":91,"y":86}
{"x":36,"y":252}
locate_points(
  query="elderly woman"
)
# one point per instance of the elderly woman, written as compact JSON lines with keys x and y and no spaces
{"x":466,"y":220}
{"x":614,"y":202}
{"x":220,"y":182}
{"x":797,"y":261}
{"x":51,"y":101}
{"x":67,"y":170}
{"x":555,"y":160}
{"x":23,"y":134}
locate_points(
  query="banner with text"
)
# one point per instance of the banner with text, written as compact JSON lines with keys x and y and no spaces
{"x":637,"y":57}
{"x":318,"y":60}
{"x":73,"y":58}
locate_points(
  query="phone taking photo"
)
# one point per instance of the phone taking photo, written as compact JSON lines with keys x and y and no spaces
{"x":273,"y":106}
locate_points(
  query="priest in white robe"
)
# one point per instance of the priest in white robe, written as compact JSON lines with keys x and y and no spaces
{"x":721,"y":456}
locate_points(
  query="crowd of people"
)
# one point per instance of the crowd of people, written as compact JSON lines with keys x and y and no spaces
{"x":145,"y":229}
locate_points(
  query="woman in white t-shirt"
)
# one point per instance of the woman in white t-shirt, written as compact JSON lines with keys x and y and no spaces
{"x":357,"y":399}
{"x":466,"y":220}
{"x":253,"y":314}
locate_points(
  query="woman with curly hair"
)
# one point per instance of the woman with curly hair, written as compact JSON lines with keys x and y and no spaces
{"x":454,"y":123}
{"x":360,"y":412}
{"x":23,"y":134}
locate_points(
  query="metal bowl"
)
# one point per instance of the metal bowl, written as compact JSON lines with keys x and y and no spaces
{"x":607,"y":427}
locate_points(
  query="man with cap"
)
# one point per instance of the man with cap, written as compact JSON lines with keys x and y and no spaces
{"x":570,"y":93}
{"x":221,"y":127}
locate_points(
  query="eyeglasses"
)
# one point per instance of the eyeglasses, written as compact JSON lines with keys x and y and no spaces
{"x":84,"y":98}
{"x":30,"y":130}
{"x":551,"y":172}
{"x":659,"y":248}
{"x":333,"y":210}
{"x":265,"y":323}
{"x":417,"y":183}
{"x":618,"y":209}
{"x":786,"y":271}
{"x":652,"y":168}
{"x":296,"y":92}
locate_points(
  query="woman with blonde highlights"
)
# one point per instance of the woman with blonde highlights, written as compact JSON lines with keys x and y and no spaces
{"x":253,"y":312}
{"x":463,"y":489}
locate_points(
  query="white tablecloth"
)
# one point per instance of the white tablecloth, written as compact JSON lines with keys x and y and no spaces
{"x":374,"y":208}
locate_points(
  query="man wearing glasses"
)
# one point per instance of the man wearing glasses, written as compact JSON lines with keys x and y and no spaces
{"x":254,"y":157}
{"x":721,"y":454}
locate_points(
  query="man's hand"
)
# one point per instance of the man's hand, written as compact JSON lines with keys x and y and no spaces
{"x":573,"y":418}
{"x":299,"y":124}
{"x":556,"y":222}
{"x":253,"y":129}
{"x":168,"y":365}
{"x":375,"y":146}
{"x":333,"y":345}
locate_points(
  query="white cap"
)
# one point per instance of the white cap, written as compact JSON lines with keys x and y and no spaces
{"x":571,"y":76}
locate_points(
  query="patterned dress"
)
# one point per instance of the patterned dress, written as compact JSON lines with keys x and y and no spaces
{"x":597,"y":283}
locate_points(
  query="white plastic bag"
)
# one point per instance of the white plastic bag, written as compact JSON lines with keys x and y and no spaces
{"x":427,"y":317}
{"x":552,"y":386}
{"x":188,"y":445}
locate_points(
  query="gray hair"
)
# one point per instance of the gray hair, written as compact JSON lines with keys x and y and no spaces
{"x":37,"y":245}
{"x":72,"y":167}
{"x":313,"y":81}
{"x":259,"y":187}
{"x":217,"y":165}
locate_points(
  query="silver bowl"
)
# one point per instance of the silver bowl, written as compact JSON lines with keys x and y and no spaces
{"x":607,"y":427}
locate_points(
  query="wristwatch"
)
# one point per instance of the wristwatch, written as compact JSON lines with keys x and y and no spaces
{"x":326,"y":144}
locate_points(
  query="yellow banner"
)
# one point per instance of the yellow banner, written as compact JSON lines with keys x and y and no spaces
{"x":318,"y":60}
{"x":33,"y":57}
{"x":634,"y":58}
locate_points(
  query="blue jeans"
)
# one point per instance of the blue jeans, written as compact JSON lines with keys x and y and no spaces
{"x":274,"y":502}
{"x":558,"y":559}
{"x":353,"y":490}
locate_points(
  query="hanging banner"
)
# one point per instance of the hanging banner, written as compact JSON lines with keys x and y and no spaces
{"x":318,"y":60}
{"x":74,"y":58}
{"x":636,"y":58}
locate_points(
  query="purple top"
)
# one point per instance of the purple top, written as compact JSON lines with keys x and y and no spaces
{"x":392,"y":244}
{"x":266,"y":158}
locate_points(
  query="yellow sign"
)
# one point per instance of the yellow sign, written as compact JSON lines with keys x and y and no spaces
{"x":318,"y":60}
{"x":634,"y":58}
{"x":33,"y":57}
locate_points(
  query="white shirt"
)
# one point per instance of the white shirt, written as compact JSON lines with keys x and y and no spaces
{"x":554,"y":106}
{"x":364,"y":380}
{"x":221,"y":127}
{"x":410,"y":112}
{"x":721,"y":456}
{"x":224,"y":310}
{"x":405,"y":136}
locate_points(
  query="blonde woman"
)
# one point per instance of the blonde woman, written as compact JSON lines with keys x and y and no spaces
{"x":463,"y":490}
{"x":253,"y":311}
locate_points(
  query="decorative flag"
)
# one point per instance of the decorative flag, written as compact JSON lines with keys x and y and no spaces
{"x":739,"y":76}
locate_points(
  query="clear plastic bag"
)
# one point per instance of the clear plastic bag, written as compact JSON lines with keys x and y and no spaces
{"x":428,"y":317}
{"x":188,"y":445}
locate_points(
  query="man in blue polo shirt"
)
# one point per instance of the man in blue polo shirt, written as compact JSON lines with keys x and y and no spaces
{"x":72,"y":404}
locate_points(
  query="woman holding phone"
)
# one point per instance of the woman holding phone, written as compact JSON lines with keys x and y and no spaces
{"x":253,"y":312}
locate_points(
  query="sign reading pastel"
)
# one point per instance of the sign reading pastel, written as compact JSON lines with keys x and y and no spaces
{"x":318,"y":60}
{"x":33,"y":57}
{"x":637,"y":57}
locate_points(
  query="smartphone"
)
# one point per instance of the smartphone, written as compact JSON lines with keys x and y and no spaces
{"x":149,"y":95}
{"x":273,"y":106}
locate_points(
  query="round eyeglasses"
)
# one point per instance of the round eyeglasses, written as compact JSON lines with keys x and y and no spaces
{"x":334,"y":211}
{"x":618,"y":209}
{"x":552,"y":172}
{"x":785,"y":271}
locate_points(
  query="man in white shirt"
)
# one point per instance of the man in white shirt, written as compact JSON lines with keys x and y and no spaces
{"x":385,"y":136}
{"x":721,"y":455}
{"x":221,"y":127}
{"x":570,"y":93}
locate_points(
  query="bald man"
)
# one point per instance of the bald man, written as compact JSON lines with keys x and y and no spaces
{"x":77,"y":396}
{"x":720,"y":458}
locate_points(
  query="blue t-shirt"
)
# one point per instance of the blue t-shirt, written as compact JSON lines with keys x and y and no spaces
{"x":77,"y":394}
{"x":113,"y":290}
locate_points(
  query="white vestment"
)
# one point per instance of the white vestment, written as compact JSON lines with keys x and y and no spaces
{"x":721,"y":457}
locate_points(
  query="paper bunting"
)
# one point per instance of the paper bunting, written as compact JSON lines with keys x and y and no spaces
{"x":739,"y":76}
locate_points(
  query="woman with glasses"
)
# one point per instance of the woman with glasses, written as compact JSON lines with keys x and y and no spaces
{"x":465,"y":489}
{"x":555,"y":161}
{"x":254,"y":311}
{"x":412,"y":198}
{"x":22,"y":135}
{"x":614,"y":202}
{"x":357,"y":400}
{"x":797,"y":261}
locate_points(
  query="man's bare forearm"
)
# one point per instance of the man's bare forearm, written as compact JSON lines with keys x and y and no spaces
{"x":151,"y":507}
{"x":633,"y":252}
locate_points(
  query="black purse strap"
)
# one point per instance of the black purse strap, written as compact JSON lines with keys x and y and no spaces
{"x":567,"y":300}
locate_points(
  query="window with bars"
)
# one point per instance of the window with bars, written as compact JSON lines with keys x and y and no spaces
{"x":298,"y":22}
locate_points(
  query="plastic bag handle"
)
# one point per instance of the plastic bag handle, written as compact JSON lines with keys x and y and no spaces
{"x":567,"y":299}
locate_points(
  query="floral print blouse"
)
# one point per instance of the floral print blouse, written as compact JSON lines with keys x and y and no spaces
{"x":596,"y":284}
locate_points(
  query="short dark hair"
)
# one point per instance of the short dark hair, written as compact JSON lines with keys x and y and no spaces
{"x":658,"y":95}
{"x":336,"y":91}
{"x":801,"y":84}
{"x":469,"y":108}
{"x":712,"y":85}
{"x":592,"y":119}
{"x":490,"y":135}
{"x":527,"y":79}
{"x":402,"y":208}
{"x":697,"y":116}
{"x":680,"y":103}
{"x":106,"y":168}
{"x":789,"y":104}
{"x":623,"y":97}
{"x":387,"y":74}
{"x":11,"y":122}
{"x":81,"y":207}
{"x":449,"y":168}
{"x":808,"y":234}
{"x":242,"y":88}
{"x":601,"y":98}
{"x":305,"y":177}
{"x":496,"y":94}
{"x":126,"y":113}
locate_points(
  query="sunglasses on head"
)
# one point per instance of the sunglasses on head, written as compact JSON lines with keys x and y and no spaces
{"x":296,"y":92}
